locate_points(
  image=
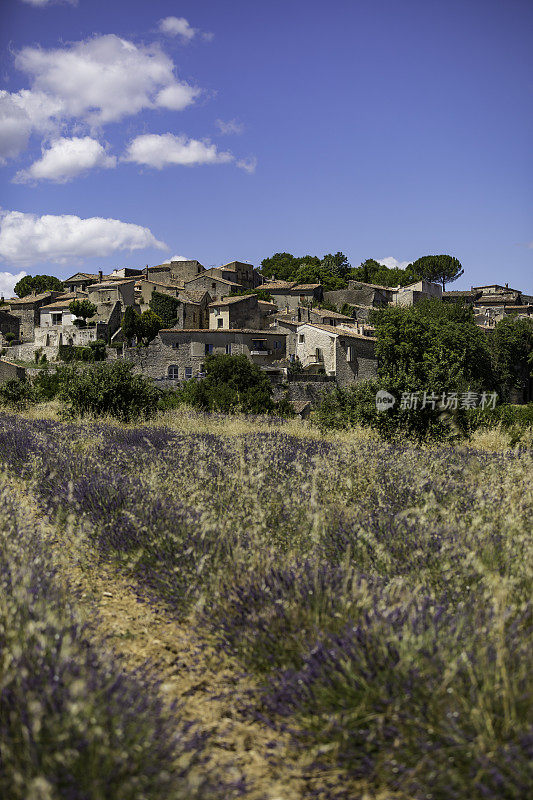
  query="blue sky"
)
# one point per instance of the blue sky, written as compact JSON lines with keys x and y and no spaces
{"x":131,"y":132}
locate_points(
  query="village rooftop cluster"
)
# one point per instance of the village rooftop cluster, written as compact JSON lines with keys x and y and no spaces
{"x":294,"y":336}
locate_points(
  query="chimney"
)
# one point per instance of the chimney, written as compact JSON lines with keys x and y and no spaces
{"x":506,"y":285}
{"x":100,"y":276}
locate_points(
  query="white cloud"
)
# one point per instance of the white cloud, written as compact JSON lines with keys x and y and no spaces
{"x":15,"y":127}
{"x":162,"y":150}
{"x":177,"y":26}
{"x":392,"y":262}
{"x":232,"y":126}
{"x":100,"y":80}
{"x":177,"y":258}
{"x":43,"y":3}
{"x":26,"y":239}
{"x":8,"y":281}
{"x":67,"y":158}
{"x":248,"y":164}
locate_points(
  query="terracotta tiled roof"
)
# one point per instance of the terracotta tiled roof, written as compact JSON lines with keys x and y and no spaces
{"x":30,"y":298}
{"x":215,"y":331}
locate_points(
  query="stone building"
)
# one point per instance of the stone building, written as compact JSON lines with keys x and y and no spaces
{"x":364,"y":295}
{"x":288,"y":295}
{"x":466,"y":296}
{"x":176,"y":273}
{"x":9,"y":323}
{"x":80,"y":281}
{"x":28,"y":310}
{"x":217,"y":287}
{"x":239,"y":272}
{"x":57,"y":327}
{"x":111,"y":292}
{"x":11,"y":372}
{"x":415,"y":292}
{"x":348,"y":356}
{"x":244,"y":311}
{"x":180,"y":354}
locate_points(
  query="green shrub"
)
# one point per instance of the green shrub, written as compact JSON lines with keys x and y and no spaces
{"x":10,"y":337}
{"x":108,"y":389}
{"x":17,"y":394}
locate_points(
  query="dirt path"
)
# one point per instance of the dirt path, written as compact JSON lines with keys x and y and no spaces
{"x":205,"y":684}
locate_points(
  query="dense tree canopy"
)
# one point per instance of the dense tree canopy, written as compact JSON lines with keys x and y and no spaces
{"x":37,"y":284}
{"x":166,"y":308}
{"x":512,"y":349}
{"x":332,"y":271}
{"x":433,"y":346}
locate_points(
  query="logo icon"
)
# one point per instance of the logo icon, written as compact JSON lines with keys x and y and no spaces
{"x":384,"y":400}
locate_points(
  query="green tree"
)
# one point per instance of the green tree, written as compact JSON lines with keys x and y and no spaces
{"x":232,"y":383}
{"x":166,"y":308}
{"x":129,"y":324}
{"x":440,"y":269}
{"x":148,"y":326}
{"x":106,"y":388}
{"x":512,"y":349}
{"x":434,"y":346}
{"x":37,"y":284}
{"x":83,"y":309}
{"x":371,"y":271}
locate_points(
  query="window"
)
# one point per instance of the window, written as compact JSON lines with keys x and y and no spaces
{"x":228,"y":349}
{"x":213,"y":286}
{"x":277,"y":345}
{"x":208,"y":349}
{"x":173,"y":372}
{"x":220,"y":322}
{"x":350,"y":353}
{"x":319,"y":355}
{"x":57,"y":319}
{"x":188,"y":373}
{"x":259,"y":344}
{"x":216,"y":312}
{"x":301,"y":338}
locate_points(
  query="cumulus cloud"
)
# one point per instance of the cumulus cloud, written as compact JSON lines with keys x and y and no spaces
{"x":26,"y":239}
{"x":392,"y":262}
{"x":65,"y":159}
{"x":179,"y":26}
{"x":105,"y":78}
{"x":232,"y":126}
{"x":8,"y":281}
{"x":162,"y":150}
{"x":100,"y":80}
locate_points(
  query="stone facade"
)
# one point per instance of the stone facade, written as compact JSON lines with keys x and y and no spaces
{"x":289,"y":295}
{"x":109,"y":292}
{"x":10,"y":372}
{"x":415,"y":292}
{"x":9,"y":323}
{"x":178,"y":355}
{"x":239,"y":312}
{"x":347,"y":356}
{"x":217,"y":287}
{"x":28,"y":310}
{"x":176,"y":273}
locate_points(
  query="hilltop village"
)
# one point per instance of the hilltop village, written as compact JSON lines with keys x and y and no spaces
{"x":296,"y":332}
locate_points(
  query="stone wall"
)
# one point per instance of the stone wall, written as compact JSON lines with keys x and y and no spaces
{"x":9,"y":371}
{"x":313,"y":391}
{"x":9,"y":323}
{"x":363,"y":364}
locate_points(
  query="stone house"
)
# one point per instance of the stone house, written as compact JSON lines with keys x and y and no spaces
{"x":288,"y":295}
{"x":180,"y":354}
{"x":176,"y":273}
{"x":80,"y":281}
{"x":11,"y":372}
{"x":192,"y":306}
{"x":217,"y":287}
{"x":111,"y":292}
{"x":415,"y":292}
{"x":244,"y":311}
{"x":467,"y":296}
{"x":239,"y":272}
{"x":57,"y":325}
{"x":320,"y":315}
{"x":348,"y":356}
{"x":9,"y":323}
{"x":364,"y":295}
{"x":28,"y":310}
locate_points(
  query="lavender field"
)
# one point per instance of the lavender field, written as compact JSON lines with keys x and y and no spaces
{"x":368,"y":604}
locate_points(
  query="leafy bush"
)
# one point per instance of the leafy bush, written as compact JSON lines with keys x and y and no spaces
{"x":165,"y":307}
{"x":232,"y":383}
{"x":17,"y":394}
{"x":93,"y":351}
{"x":10,"y":337}
{"x":108,"y":389}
